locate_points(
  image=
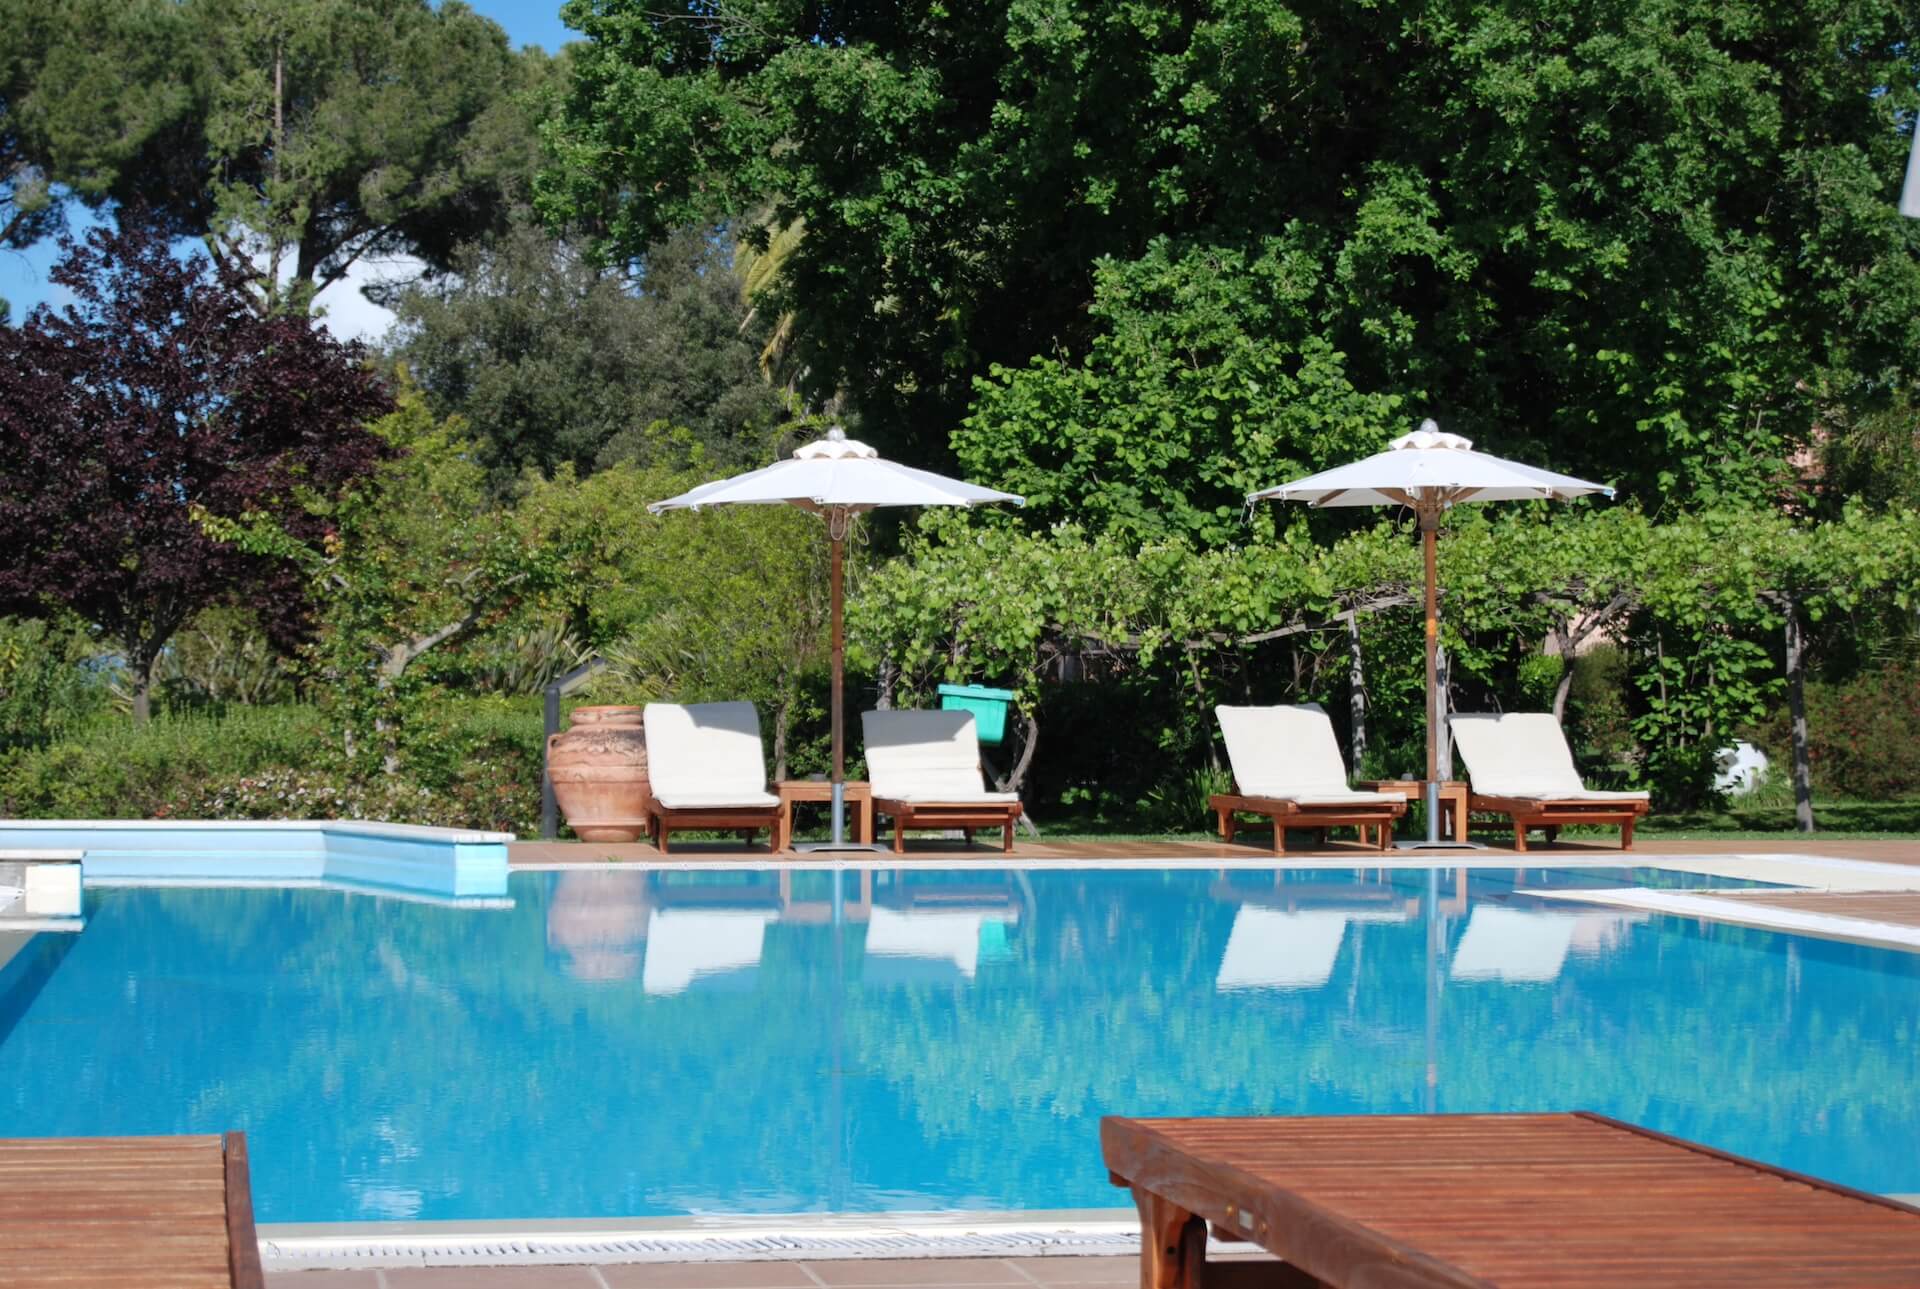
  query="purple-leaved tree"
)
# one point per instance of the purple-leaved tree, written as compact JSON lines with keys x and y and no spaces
{"x":160,"y":395}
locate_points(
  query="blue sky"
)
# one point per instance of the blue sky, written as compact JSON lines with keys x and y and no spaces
{"x":23,"y":275}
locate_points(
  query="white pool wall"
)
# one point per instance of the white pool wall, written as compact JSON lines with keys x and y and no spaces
{"x":442,"y":861}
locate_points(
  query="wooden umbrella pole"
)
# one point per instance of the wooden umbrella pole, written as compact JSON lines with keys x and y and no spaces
{"x":1429,"y":537}
{"x":1429,"y":533}
{"x":837,"y":537}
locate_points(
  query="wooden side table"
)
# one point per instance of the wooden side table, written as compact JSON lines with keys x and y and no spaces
{"x":1453,"y":800}
{"x":859,"y":798}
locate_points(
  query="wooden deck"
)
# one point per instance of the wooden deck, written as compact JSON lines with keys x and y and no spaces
{"x":158,"y":1212}
{"x":1561,"y":1200}
{"x":935,"y":850}
{"x":1896,"y":908}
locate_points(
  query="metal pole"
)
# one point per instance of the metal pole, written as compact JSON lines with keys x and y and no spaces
{"x":1429,"y":532}
{"x":549,"y":808}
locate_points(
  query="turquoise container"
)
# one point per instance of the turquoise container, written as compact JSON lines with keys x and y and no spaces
{"x":989,"y":708}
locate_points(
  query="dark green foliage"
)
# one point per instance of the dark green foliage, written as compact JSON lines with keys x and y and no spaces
{"x":86,"y":86}
{"x":553,"y":362}
{"x":1599,"y":719}
{"x":1860,"y":734}
{"x":1642,"y":240}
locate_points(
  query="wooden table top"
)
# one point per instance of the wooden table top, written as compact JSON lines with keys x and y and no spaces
{"x":1559,"y":1200}
{"x":818,"y":789}
{"x":108,"y":1211}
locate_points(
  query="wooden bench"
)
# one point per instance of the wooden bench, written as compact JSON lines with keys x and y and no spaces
{"x":1560,"y":1200}
{"x":157,"y":1212}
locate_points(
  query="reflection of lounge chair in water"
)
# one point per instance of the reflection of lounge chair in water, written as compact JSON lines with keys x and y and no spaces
{"x":1288,"y":948}
{"x":943,"y":946}
{"x":705,"y":947}
{"x":1514,"y":944}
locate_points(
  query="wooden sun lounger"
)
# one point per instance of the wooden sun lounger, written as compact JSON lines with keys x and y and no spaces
{"x":1287,"y":814}
{"x":1569,"y":1201}
{"x":964,"y":815}
{"x":1548,"y":813}
{"x":662,"y":821}
{"x":154,"y":1212}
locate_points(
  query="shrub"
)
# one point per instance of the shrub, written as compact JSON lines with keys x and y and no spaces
{"x":108,"y":768}
{"x":1860,"y":739}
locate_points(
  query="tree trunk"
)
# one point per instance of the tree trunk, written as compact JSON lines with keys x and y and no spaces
{"x":1013,"y":781}
{"x":1797,"y":707}
{"x":781,"y":711}
{"x":1356,"y":693}
{"x":1565,"y":686}
{"x":140,"y":673}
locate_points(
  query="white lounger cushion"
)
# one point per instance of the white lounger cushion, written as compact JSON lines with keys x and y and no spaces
{"x":1290,"y":753}
{"x":929,"y":756}
{"x":706,"y":756}
{"x":1524,"y":755}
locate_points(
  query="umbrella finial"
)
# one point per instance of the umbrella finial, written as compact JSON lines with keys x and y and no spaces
{"x":835,"y":447}
{"x":1430,"y":435}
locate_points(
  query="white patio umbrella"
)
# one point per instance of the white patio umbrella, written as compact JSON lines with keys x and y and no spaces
{"x":837,"y":478}
{"x":1430,"y":471}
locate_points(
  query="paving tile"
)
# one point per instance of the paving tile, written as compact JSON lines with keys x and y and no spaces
{"x":708,"y":1275}
{"x":1081,"y":1273}
{"x":323,"y":1280}
{"x":950,"y":1273}
{"x":492,"y":1278}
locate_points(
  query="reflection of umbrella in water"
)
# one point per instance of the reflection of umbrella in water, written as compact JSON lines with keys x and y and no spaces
{"x":1431,"y":472}
{"x":598,"y":922}
{"x":837,"y":478}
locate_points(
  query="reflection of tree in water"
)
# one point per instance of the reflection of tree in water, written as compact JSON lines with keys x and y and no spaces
{"x":491,"y":1088}
{"x":597,"y":924}
{"x":1640,"y":1021}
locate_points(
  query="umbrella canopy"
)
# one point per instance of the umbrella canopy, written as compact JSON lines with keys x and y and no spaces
{"x":1429,"y":465}
{"x":1430,"y":471}
{"x":836,"y":477}
{"x":836,"y":473}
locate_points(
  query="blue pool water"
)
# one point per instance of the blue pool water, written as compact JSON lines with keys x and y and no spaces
{"x":627,"y":1043}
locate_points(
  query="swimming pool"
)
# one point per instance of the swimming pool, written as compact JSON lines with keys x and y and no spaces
{"x":631,"y":1043}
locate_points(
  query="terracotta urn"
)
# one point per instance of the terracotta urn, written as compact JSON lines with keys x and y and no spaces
{"x":599,"y":773}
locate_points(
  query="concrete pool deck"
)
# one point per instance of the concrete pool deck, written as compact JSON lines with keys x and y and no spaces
{"x":920,"y":1273}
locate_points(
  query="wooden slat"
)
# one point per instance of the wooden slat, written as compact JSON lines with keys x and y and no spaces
{"x":167,"y":1212}
{"x":1900,"y":908}
{"x":1550,"y":1200}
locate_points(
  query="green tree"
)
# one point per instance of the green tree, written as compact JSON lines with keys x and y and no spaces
{"x":341,"y":129}
{"x":553,"y":362}
{"x":86,"y":86}
{"x":1643,"y":240}
{"x":297,"y":136}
